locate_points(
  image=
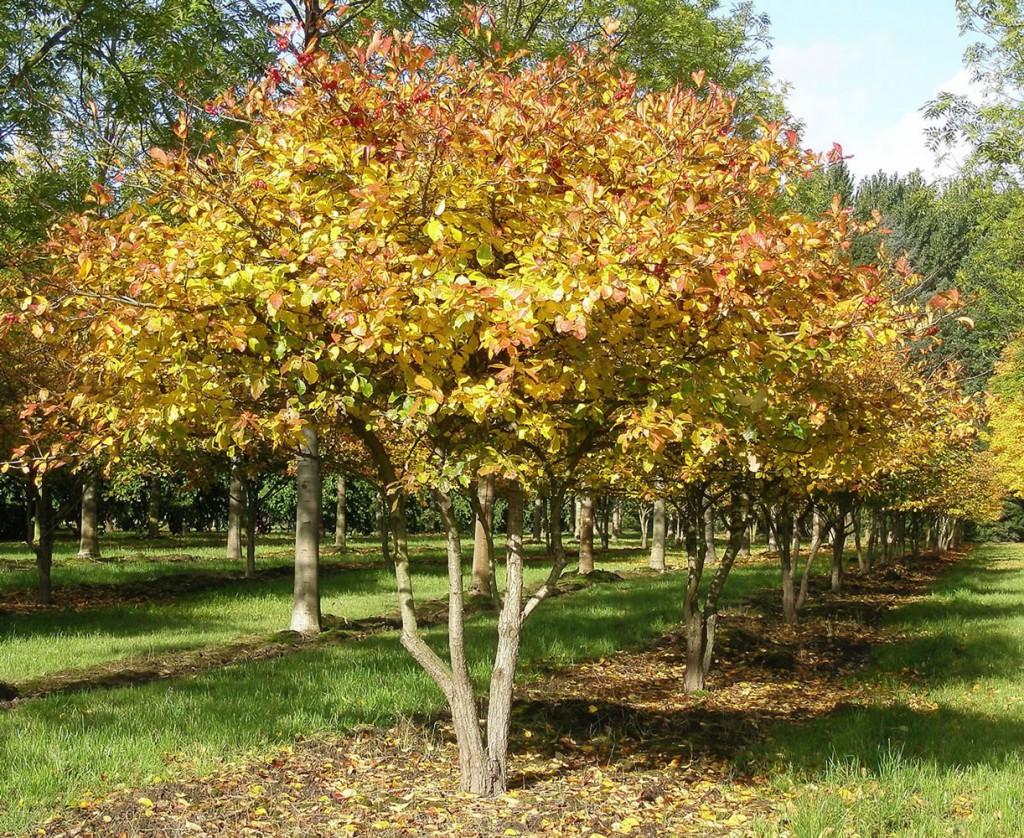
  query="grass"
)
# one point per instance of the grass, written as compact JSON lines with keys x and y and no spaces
{"x":35,"y":644}
{"x":946,"y":756}
{"x":56,"y":749}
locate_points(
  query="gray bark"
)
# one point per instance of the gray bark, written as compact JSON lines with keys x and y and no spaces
{"x":482,"y":580}
{"x":236,"y":513}
{"x":658,"y":534}
{"x":586,"y":522}
{"x":308,"y":512}
{"x":89,"y":540}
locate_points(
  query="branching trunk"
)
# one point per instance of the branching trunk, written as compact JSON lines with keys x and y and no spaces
{"x":308,"y":512}
{"x":838,"y":545}
{"x":89,"y":540}
{"x":817,"y":539}
{"x":701,"y":625}
{"x":643,"y":511}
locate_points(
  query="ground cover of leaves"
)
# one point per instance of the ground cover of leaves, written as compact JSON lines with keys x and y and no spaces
{"x":610,"y":747}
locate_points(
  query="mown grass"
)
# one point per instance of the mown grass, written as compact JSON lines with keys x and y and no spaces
{"x":49,"y":641}
{"x":947,"y":756}
{"x":57,"y":749}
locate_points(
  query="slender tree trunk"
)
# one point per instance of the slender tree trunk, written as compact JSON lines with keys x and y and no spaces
{"x":710,"y":554}
{"x":252,"y":501}
{"x":644,"y":514}
{"x":339,"y":512}
{"x":617,"y":519}
{"x":838,"y":547}
{"x":308,"y":514}
{"x":575,"y":521}
{"x":236,"y":512}
{"x":506,"y":656}
{"x":153,"y":513}
{"x":701,"y":626}
{"x":606,"y":520}
{"x":862,"y":560}
{"x":538,"y":520}
{"x":817,"y":540}
{"x":31,"y":536}
{"x":483,"y":582}
{"x":89,"y":540}
{"x":872,"y":540}
{"x":657,"y":560}
{"x":782,"y":527}
{"x":383,"y":526}
{"x":586,"y":522}
{"x":44,"y":542}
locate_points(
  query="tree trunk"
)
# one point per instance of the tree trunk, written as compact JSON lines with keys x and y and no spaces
{"x":575,"y":510}
{"x":644,"y":514}
{"x":383,"y":527}
{"x":236,"y":512}
{"x":586,"y":522}
{"x":701,"y":625}
{"x":89,"y":540}
{"x":339,"y":512}
{"x":617,"y":519}
{"x":858,"y":546}
{"x":817,"y":539}
{"x":44,"y":542}
{"x":251,"y":512}
{"x":538,"y":520}
{"x":308,"y":512}
{"x":606,"y":520}
{"x":658,"y":534}
{"x":785,"y":534}
{"x":483,"y":582}
{"x":506,"y":656}
{"x":710,"y":554}
{"x":838,"y":547}
{"x":153,"y":512}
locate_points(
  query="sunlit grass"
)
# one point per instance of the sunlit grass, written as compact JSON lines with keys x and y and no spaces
{"x":54,"y":750}
{"x":947,"y":756}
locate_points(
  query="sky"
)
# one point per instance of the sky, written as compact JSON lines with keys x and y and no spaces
{"x":861,"y":70}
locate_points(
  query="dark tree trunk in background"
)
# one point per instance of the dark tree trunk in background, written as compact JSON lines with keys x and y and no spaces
{"x":308,"y":514}
{"x":153,"y":512}
{"x":251,"y":513}
{"x":89,"y":540}
{"x":339,"y":512}
{"x":44,"y":541}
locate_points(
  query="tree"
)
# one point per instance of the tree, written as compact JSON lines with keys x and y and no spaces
{"x":467,"y":270}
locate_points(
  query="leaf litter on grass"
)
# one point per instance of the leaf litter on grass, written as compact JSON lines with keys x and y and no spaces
{"x":610,"y":747}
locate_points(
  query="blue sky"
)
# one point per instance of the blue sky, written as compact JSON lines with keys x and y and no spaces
{"x":861,"y":70}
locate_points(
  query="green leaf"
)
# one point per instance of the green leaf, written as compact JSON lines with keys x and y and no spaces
{"x":484,"y":255}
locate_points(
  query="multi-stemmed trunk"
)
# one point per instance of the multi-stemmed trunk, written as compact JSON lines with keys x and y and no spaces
{"x":839,"y":545}
{"x":659,"y":531}
{"x":339,"y":512}
{"x":586,"y":521}
{"x":236,"y":512}
{"x":701,"y":624}
{"x":89,"y":539}
{"x":308,"y":512}
{"x":643,"y":512}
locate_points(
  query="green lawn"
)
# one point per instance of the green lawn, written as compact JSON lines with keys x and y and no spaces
{"x":56,"y":749}
{"x":947,"y":756}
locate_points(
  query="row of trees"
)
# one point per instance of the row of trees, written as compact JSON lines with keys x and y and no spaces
{"x":535,"y":279}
